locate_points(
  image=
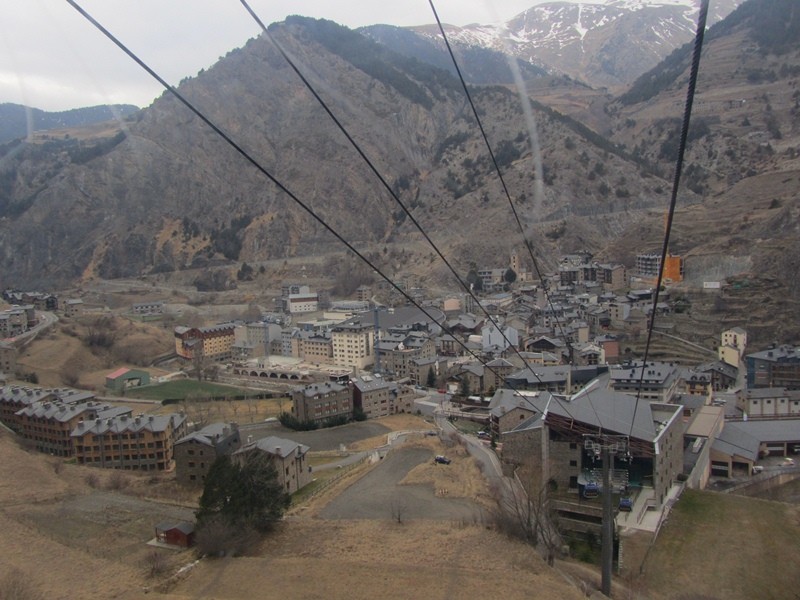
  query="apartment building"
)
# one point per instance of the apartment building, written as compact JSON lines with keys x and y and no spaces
{"x":398,"y":351}
{"x":48,"y":425}
{"x":321,"y":401}
{"x":655,"y":381}
{"x":373,"y":395}
{"x":353,"y":343}
{"x":775,"y":367}
{"x":288,"y":458}
{"x":214,"y":343}
{"x":15,"y":398}
{"x":144,"y":443}
{"x":197,"y":451}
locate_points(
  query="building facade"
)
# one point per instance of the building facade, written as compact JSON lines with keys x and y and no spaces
{"x":196,"y":452}
{"x":775,"y":367}
{"x":352,"y":344}
{"x":288,"y":458}
{"x":142,"y":443}
{"x":321,"y":401}
{"x":214,"y":343}
{"x":373,"y":396}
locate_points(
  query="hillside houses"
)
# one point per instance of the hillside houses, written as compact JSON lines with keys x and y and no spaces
{"x":322,"y":402}
{"x":654,"y":381}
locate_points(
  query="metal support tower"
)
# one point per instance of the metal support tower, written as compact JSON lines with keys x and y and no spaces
{"x":606,"y":446}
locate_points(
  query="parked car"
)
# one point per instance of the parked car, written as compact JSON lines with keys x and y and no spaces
{"x":757,"y":469}
{"x":442,"y":460}
{"x":625,"y":504}
{"x":484,"y":435}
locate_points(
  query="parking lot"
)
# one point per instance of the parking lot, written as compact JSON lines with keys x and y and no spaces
{"x":380,"y":495}
{"x":321,"y":439}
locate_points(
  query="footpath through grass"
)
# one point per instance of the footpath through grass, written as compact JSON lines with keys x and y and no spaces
{"x":726,"y":546}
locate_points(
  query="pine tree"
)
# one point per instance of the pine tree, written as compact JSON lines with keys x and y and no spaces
{"x":246,"y":495}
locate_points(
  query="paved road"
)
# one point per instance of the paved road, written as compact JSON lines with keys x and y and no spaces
{"x":46,"y":320}
{"x":378,"y":494}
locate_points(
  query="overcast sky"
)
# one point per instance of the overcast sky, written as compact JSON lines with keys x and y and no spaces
{"x":52,"y":58}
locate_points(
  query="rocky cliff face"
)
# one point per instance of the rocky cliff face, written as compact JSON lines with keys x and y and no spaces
{"x":167,"y":192}
{"x":163,"y":192}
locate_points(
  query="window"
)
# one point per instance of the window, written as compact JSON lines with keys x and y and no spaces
{"x":573,"y":482}
{"x":573,"y":463}
{"x":573,"y":446}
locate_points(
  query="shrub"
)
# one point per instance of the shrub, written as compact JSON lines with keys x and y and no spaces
{"x":16,"y":586}
{"x":117,"y":481}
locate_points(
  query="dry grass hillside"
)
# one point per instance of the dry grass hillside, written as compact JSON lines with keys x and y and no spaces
{"x":47,"y":566}
{"x":79,"y":352}
{"x":74,"y":532}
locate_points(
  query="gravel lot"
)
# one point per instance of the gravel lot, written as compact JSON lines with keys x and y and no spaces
{"x":321,"y":439}
{"x":378,"y":495}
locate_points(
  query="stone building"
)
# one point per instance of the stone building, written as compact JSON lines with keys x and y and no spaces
{"x":321,"y":401}
{"x":288,"y":458}
{"x":197,"y":451}
{"x":373,"y":395}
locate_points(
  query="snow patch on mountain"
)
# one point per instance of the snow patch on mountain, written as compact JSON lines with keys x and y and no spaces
{"x":601,"y":42}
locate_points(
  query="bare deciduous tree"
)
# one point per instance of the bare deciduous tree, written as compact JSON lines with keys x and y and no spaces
{"x":398,"y":509}
{"x":529,"y":515}
{"x":155,"y":563}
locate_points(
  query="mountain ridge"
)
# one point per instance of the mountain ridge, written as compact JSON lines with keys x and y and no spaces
{"x":167,"y":195}
{"x":18,"y":121}
{"x":603,"y":44}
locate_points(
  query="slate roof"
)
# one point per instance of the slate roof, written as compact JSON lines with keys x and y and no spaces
{"x":209,"y":434}
{"x":370,"y":383}
{"x":769,"y":430}
{"x":315,"y":389}
{"x":121,"y":424}
{"x":733,"y":441}
{"x":182,"y":526}
{"x":275,"y":446}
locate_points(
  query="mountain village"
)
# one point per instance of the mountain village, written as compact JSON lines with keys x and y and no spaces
{"x":231,"y":367}
{"x":539,"y":369}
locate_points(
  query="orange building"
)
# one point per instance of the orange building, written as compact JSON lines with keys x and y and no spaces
{"x":215,"y":343}
{"x":673,"y":268}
